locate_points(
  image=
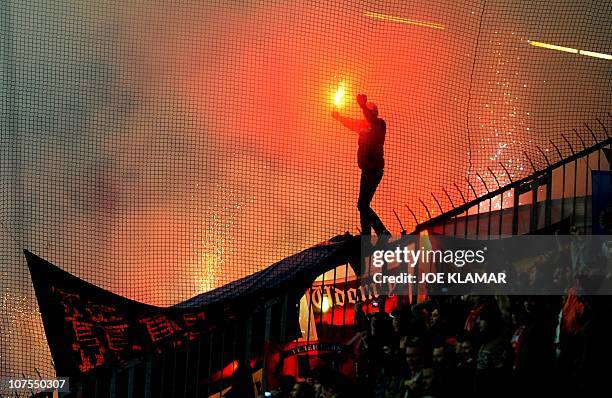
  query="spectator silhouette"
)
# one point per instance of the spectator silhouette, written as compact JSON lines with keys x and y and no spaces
{"x":370,"y":159}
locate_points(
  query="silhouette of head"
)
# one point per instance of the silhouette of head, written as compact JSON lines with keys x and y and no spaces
{"x":373,"y":107}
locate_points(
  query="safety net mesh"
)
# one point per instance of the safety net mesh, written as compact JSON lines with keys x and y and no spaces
{"x":161,"y":149}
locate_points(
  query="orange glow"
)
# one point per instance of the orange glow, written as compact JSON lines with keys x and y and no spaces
{"x":209,"y":266}
{"x":325,"y":304}
{"x":392,"y":18}
{"x":340,"y":96}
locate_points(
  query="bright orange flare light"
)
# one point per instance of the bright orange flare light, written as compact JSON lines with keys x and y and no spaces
{"x":339,"y":96}
{"x":392,"y":18}
{"x":569,"y":50}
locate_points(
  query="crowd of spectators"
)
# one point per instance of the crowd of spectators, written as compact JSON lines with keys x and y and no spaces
{"x":474,"y":346}
{"x":485,"y":345}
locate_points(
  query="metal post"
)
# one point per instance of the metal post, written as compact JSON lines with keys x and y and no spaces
{"x":415,"y":287}
{"x":197,"y":371}
{"x":186,"y":372}
{"x":501,"y":201}
{"x":586,"y":193}
{"x":575,"y":179}
{"x":322,"y":298}
{"x":174,"y":354}
{"x":248,"y":333}
{"x":264,"y":381}
{"x":441,"y":212}
{"x":333,"y":297}
{"x":210,"y":361}
{"x":113,"y":384}
{"x":533,"y":224}
{"x":283,"y":320}
{"x":454,"y":218}
{"x":574,"y":192}
{"x":562,"y":177}
{"x":148,"y":370}
{"x":223,"y":356}
{"x":534,"y":197}
{"x":515,"y":210}
{"x":346,"y":290}
{"x":477,"y":208}
{"x":466,"y":211}
{"x":309,"y":303}
{"x":548,"y":200}
{"x":131,"y":382}
{"x":490,"y":203}
{"x":234,"y":343}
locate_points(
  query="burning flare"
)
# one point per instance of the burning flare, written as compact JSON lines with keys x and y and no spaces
{"x":339,"y":96}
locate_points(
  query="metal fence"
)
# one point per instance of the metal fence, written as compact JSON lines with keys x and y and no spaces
{"x":556,"y":193}
{"x":206,"y":366}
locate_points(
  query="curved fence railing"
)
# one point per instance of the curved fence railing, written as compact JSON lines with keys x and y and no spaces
{"x":558,"y":192}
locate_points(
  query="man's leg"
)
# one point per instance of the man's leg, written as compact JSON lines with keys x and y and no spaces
{"x":366,"y":193}
{"x":376,"y":222}
{"x":370,"y":178}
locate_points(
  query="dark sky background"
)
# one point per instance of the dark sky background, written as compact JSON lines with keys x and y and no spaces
{"x":161,"y":150}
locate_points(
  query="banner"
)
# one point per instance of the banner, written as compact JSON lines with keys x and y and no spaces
{"x":299,"y":359}
{"x":87,"y":326}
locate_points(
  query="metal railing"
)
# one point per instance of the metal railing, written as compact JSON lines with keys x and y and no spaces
{"x":205,"y":366}
{"x":560,"y":191}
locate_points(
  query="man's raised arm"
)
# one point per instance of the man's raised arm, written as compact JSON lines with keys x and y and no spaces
{"x":368,"y":113}
{"x":357,"y":125}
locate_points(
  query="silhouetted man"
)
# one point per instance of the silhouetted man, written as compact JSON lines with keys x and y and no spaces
{"x":370,"y":158}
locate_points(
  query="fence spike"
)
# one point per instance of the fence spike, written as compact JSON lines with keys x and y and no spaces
{"x":413,"y":215}
{"x":437,"y":202}
{"x":494,"y":177}
{"x":604,"y":127}
{"x":584,"y":147}
{"x":592,"y":134}
{"x":449,"y":198}
{"x":507,"y":173}
{"x":472,"y":187}
{"x":426,"y":209}
{"x":400,"y":223}
{"x":543,"y":154}
{"x":483,"y":183}
{"x":460,"y":193}
{"x":530,"y":162}
{"x":568,"y":144}
{"x":557,"y":149}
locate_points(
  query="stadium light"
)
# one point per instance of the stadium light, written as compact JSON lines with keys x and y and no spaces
{"x":594,"y":54}
{"x":569,"y":50}
{"x":391,"y":18}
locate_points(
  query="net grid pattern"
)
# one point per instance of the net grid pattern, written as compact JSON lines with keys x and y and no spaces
{"x":163,"y":149}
